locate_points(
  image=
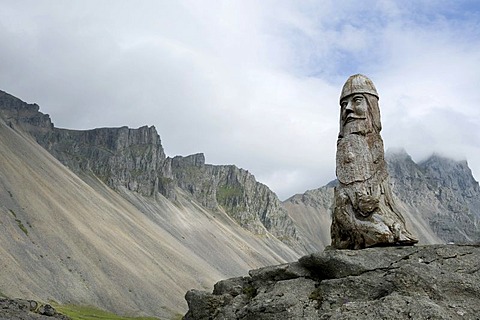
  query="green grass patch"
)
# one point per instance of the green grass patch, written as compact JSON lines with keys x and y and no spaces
{"x":91,"y":313}
{"x":226,"y":193}
{"x":22,"y":227}
{"x":13,"y":213}
{"x":19,"y":222}
{"x":250,"y":291}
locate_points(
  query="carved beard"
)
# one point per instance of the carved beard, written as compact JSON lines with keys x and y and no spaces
{"x":363,"y":126}
{"x":358,"y":126}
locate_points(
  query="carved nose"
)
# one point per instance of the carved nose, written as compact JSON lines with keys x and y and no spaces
{"x":349,"y":107}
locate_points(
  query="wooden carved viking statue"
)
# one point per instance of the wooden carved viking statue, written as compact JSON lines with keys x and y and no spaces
{"x":364,"y":211}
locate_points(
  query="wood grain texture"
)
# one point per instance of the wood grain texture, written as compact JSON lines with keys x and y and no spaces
{"x":364,"y":211}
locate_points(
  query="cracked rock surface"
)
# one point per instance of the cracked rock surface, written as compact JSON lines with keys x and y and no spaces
{"x":420,"y":282}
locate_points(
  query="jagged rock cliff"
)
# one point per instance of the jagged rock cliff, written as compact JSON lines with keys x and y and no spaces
{"x":135,"y":159}
{"x":424,"y":282}
{"x":442,"y":191}
{"x":121,"y":157}
{"x":15,"y":112}
{"x":252,"y":204}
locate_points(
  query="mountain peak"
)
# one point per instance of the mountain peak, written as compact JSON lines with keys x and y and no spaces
{"x":440,"y":158}
{"x":443,"y":170}
{"x":16,"y":112}
{"x":396,"y":152}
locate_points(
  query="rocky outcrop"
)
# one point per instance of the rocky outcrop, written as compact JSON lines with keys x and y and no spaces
{"x":252,"y":204}
{"x":120,"y":157}
{"x":17,"y":113}
{"x":424,"y":282}
{"x":28,"y":310}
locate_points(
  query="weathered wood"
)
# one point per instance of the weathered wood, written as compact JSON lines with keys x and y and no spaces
{"x":364,"y":211}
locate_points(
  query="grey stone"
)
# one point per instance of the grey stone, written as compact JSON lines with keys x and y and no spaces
{"x":285,"y":299}
{"x":281,"y":272}
{"x":47,"y":310}
{"x":333,"y":264}
{"x":202,"y":305}
{"x":421,"y":282}
{"x":33,"y":305}
{"x":233,"y":287}
{"x":364,"y":211}
{"x":27,"y":310}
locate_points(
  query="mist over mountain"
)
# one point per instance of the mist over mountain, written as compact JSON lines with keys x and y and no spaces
{"x":104,"y":217}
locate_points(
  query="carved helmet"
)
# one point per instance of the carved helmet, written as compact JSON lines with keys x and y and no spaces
{"x":358,"y":83}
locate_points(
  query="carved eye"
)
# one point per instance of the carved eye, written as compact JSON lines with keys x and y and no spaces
{"x":343,"y":104}
{"x":358,"y":99}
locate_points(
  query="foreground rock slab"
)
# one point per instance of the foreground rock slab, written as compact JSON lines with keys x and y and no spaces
{"x":28,"y":310}
{"x":421,"y":282}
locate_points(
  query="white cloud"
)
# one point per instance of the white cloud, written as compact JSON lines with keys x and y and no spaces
{"x":252,"y":83}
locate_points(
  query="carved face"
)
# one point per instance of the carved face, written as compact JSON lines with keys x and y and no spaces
{"x":353,"y":114}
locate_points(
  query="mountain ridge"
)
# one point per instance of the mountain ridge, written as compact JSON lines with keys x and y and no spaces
{"x":135,"y":159}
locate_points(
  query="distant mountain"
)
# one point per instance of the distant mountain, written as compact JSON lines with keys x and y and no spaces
{"x":439,"y":198}
{"x":311,"y":214}
{"x":442,"y":191}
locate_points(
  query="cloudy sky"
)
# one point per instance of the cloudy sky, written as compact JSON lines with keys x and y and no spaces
{"x":251,"y":83}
